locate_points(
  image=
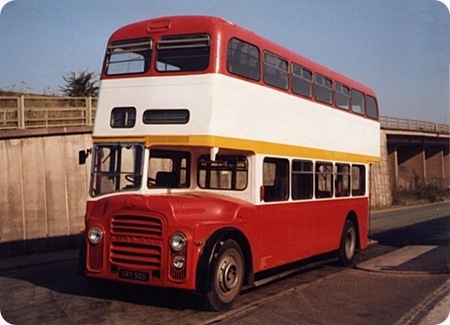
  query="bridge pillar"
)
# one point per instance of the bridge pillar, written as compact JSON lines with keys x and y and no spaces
{"x":411,"y":166}
{"x":434,"y":158}
{"x":392,"y":157}
{"x":416,"y":160}
{"x":446,"y":163}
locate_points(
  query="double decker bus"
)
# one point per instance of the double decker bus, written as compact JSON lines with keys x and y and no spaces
{"x":219,"y":156}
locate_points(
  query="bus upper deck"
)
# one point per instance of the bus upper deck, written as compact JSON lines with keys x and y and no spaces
{"x":196,"y":80}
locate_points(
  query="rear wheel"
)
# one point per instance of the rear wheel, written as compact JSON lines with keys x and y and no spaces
{"x":227,"y":276}
{"x":347,"y":247}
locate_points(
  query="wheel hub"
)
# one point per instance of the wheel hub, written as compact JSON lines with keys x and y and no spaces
{"x":228,"y":277}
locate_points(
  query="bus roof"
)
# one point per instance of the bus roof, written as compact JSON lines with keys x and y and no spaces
{"x":176,"y":25}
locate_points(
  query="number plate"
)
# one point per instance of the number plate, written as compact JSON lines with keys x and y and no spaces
{"x":133,"y":275}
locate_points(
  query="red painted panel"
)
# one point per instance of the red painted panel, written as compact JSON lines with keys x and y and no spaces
{"x":294,"y":231}
{"x":278,"y":233}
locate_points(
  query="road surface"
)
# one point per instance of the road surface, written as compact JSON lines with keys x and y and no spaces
{"x":45,"y":289}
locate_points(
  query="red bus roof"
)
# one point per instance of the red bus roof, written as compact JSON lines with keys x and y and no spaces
{"x":176,"y":25}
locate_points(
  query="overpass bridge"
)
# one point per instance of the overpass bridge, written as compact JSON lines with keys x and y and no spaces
{"x":43,"y":192}
{"x":417,"y":153}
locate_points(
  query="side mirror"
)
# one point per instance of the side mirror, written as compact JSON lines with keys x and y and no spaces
{"x":82,"y":156}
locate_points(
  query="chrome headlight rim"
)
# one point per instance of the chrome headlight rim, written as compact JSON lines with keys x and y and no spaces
{"x":178,"y":262}
{"x":95,"y":235}
{"x":178,"y":241}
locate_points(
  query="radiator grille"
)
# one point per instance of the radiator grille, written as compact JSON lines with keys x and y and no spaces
{"x":136,"y":241}
{"x":95,"y":257}
{"x":177,"y":275}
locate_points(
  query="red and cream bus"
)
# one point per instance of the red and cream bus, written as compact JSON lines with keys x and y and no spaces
{"x":219,"y":155}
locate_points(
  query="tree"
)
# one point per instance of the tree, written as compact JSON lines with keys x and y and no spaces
{"x":81,"y":85}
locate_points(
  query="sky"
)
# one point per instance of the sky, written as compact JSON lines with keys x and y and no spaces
{"x":399,"y":48}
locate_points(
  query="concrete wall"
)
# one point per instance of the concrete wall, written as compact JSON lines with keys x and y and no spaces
{"x":380,"y":185}
{"x":43,"y":191}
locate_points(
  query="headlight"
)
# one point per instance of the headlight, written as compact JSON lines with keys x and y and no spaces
{"x":178,"y":241}
{"x":95,"y":235}
{"x":178,"y":261}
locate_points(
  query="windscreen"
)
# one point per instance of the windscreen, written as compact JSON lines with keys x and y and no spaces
{"x":117,"y":167}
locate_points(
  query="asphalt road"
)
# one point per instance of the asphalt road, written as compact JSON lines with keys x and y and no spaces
{"x":51,"y":293}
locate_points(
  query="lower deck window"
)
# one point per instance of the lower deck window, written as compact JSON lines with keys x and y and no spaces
{"x":324,"y":180}
{"x":302,"y":180}
{"x":226,"y":172}
{"x":168,"y":169}
{"x":358,"y":180}
{"x":276,"y":179}
{"x":342,"y":180}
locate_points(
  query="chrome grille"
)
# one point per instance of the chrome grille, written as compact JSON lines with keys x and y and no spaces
{"x":136,"y":241}
{"x":137,"y":225}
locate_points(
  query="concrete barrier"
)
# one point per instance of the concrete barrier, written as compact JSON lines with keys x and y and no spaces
{"x":380,"y":185}
{"x":43,"y":192}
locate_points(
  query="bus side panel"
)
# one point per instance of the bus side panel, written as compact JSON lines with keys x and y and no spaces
{"x":330,"y":220}
{"x":295,"y":231}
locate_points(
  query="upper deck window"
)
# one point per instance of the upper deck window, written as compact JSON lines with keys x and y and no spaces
{"x":123,"y":117}
{"x":372,"y":108}
{"x":301,"y":81}
{"x":342,"y":96}
{"x":183,"y":53}
{"x":130,"y":56}
{"x":275,"y":71}
{"x":243,"y":59}
{"x":166,"y":116}
{"x":357,"y":102}
{"x":324,"y":89}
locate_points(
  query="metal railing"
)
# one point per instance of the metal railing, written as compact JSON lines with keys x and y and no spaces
{"x":26,"y":112}
{"x":396,"y":123}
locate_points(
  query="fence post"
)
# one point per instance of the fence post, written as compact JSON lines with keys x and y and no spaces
{"x":21,"y":112}
{"x":89,"y":111}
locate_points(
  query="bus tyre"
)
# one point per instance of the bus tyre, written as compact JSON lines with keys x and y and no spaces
{"x":226,"y":277}
{"x":347,"y":247}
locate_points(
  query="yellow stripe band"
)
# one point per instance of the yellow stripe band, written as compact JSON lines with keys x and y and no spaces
{"x":261,"y":147}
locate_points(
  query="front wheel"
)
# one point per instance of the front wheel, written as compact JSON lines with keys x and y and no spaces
{"x":347,"y":248}
{"x":227,"y":276}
